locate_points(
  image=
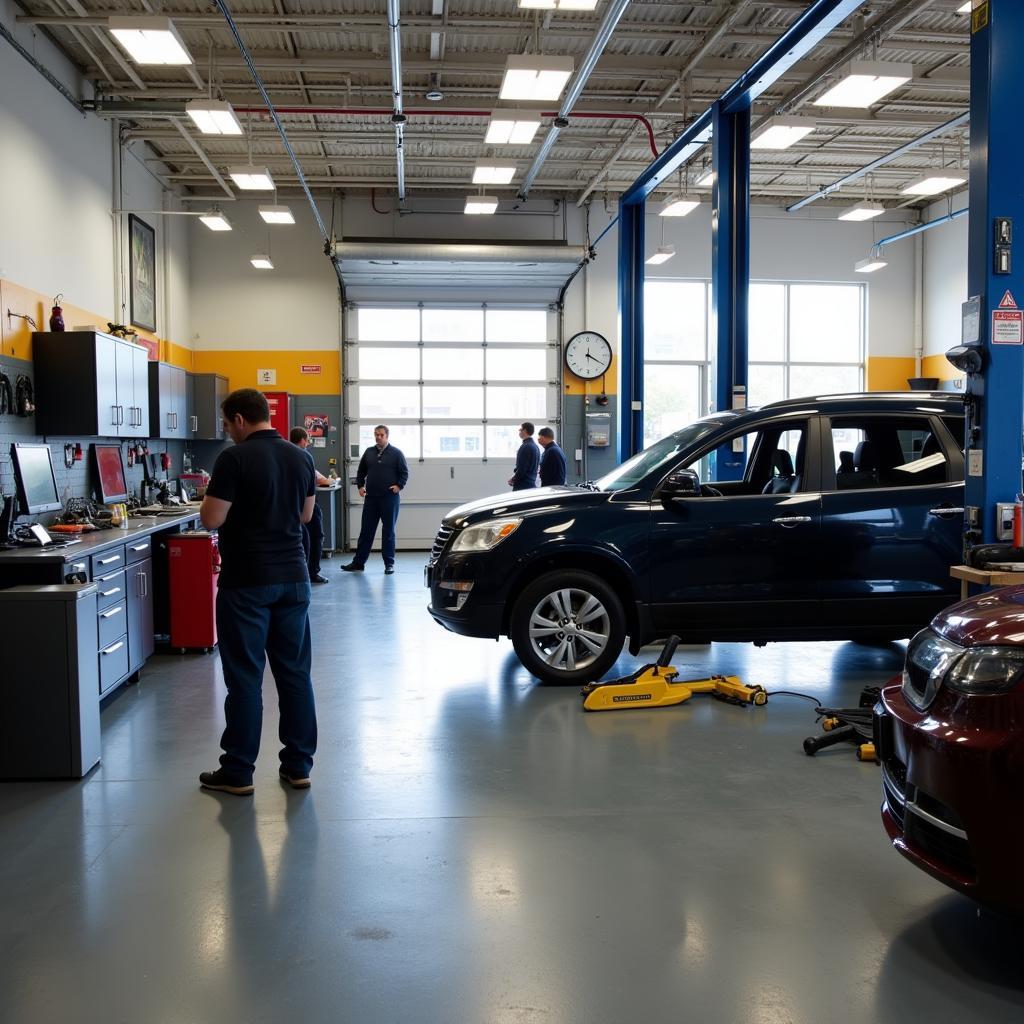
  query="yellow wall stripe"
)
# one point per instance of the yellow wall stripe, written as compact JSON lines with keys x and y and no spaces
{"x":240,"y":367}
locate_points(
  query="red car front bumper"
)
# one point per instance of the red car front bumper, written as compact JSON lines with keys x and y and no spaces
{"x":953,"y":787}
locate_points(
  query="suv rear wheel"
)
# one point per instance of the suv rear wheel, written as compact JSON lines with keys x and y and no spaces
{"x":568,"y":627}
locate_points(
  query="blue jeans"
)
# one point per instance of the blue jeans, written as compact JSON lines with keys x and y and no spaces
{"x":255,"y":624}
{"x":383,"y":509}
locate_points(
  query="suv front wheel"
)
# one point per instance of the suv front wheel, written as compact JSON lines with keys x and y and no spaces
{"x":568,"y":627}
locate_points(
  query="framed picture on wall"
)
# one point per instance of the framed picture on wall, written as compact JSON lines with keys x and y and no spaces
{"x":142,"y":273}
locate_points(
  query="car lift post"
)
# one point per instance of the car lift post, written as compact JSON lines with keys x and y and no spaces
{"x":997,"y":155}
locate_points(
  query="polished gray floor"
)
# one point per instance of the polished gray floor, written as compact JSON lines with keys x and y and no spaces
{"x":477,"y":849}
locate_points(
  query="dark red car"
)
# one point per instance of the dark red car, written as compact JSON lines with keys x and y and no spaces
{"x":950,"y":739}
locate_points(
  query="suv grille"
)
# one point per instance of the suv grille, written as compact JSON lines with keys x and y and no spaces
{"x":440,"y":542}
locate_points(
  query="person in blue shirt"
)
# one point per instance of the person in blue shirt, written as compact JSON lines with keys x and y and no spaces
{"x":552,"y":462}
{"x":381,"y":475}
{"x":527,"y":460}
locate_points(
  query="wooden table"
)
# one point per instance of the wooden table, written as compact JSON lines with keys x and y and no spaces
{"x":987,"y":578}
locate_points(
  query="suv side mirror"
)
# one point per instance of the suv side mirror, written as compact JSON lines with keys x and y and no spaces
{"x":683,"y":483}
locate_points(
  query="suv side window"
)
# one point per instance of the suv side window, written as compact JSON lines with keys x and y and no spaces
{"x":874,"y":451}
{"x":774,"y":460}
{"x":955,"y":425}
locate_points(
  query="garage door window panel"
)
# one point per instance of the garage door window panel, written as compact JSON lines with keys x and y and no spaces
{"x":444,"y":364}
{"x":453,"y":325}
{"x":404,"y":436}
{"x":525,"y":364}
{"x":381,"y":402}
{"x":388,"y":364}
{"x":453,"y":403}
{"x":453,"y":441}
{"x":388,"y":323}
{"x":516,"y":326}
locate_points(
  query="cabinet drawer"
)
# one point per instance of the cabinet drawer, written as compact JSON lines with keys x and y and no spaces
{"x":110,"y":590}
{"x":113,"y":621}
{"x":137,"y":550}
{"x":113,"y":663}
{"x":107,"y":562}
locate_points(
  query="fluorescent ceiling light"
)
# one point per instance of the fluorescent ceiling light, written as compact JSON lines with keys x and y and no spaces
{"x":261,"y":261}
{"x":251,"y":178}
{"x":706,"y":180}
{"x":493,"y":174}
{"x":865,"y":82}
{"x":933,"y":184}
{"x":782,"y":132}
{"x":215,"y":220}
{"x":214,"y":117}
{"x":149,"y":40}
{"x":965,"y":8}
{"x":870,"y":265}
{"x":277,"y":214}
{"x":862,"y":211}
{"x":512,"y":127}
{"x":532,"y":77}
{"x":679,"y":206}
{"x":481,"y":204}
{"x":560,"y":5}
{"x":664,"y":253}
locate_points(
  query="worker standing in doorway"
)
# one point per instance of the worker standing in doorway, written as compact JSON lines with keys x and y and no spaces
{"x":527,"y":460}
{"x":552,"y":461}
{"x":313,"y":531}
{"x":381,"y":476}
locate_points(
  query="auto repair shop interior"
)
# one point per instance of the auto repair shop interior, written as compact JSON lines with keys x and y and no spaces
{"x":725,"y":726}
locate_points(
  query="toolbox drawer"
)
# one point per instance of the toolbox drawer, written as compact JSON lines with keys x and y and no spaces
{"x":137,"y":550}
{"x":110,"y":590}
{"x":113,"y":621}
{"x":108,"y":561}
{"x":113,"y":663}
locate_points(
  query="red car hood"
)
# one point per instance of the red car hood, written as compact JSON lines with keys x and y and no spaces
{"x":993,"y":618}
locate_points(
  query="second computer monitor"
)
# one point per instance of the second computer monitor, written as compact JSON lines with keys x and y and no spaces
{"x":111,"y":485}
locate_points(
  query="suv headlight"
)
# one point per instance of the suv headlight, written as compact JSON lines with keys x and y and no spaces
{"x":987,"y":670}
{"x":485,"y":536}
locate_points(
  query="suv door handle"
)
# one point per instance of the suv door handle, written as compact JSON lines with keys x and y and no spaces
{"x":790,"y":521}
{"x":945,"y":513}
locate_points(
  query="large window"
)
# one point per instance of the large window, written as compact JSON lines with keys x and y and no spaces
{"x":805,"y":339}
{"x":452,"y":382}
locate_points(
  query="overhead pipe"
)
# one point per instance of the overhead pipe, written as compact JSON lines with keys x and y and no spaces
{"x":612,"y":14}
{"x":918,"y":228}
{"x":201,"y":153}
{"x":398,"y":118}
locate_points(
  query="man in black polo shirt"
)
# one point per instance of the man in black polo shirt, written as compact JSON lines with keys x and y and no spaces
{"x":261,"y":491}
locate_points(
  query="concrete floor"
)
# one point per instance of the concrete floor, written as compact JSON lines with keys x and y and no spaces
{"x":477,"y":849}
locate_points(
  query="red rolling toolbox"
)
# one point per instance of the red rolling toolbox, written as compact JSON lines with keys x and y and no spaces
{"x":194,"y":564}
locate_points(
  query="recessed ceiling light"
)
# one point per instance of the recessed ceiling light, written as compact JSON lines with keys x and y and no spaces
{"x":870,"y":265}
{"x":933,"y":184}
{"x":512,"y":127}
{"x":664,"y":253}
{"x":252,"y":178}
{"x":679,"y":206}
{"x":865,"y":82}
{"x":493,"y":174}
{"x":261,"y":261}
{"x":706,"y":180}
{"x":214,"y":117}
{"x":481,"y":204}
{"x":434,"y":95}
{"x":149,"y":39}
{"x":277,"y":214}
{"x":862,"y":211}
{"x":782,"y":132}
{"x":533,"y":77}
{"x":215,"y":220}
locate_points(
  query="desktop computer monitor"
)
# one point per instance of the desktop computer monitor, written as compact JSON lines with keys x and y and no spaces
{"x":34,"y":478}
{"x":110,"y":480}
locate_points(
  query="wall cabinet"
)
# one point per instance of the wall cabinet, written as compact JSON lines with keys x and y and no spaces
{"x":168,"y":402}
{"x":90,"y":384}
{"x":209,"y":392}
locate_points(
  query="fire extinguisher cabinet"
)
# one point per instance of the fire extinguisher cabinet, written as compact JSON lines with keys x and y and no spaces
{"x":194,"y":564}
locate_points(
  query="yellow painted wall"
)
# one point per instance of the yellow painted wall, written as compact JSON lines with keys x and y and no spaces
{"x":889,"y":373}
{"x":939,"y":366}
{"x":240,"y":368}
{"x":574,"y":386}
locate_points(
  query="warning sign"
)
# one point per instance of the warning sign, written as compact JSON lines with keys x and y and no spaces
{"x":1006,"y":302}
{"x":1008,"y":327}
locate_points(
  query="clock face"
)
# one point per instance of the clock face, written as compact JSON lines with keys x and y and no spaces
{"x":588,"y":354}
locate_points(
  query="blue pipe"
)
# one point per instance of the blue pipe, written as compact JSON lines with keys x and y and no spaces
{"x":921,"y":227}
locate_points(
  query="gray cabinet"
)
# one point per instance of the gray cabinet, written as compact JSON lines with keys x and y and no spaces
{"x":139,"y":587}
{"x":90,"y":384}
{"x":209,"y":392}
{"x":168,"y":402}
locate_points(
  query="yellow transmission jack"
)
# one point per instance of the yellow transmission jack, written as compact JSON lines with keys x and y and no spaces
{"x":655,"y":686}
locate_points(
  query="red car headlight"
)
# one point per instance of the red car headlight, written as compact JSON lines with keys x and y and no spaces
{"x":986,"y":670}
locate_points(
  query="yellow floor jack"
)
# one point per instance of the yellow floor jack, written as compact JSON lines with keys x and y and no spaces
{"x":655,"y":686}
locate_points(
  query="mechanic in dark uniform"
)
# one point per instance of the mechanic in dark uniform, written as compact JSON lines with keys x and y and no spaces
{"x":527,"y":460}
{"x":313,"y":531}
{"x":261,"y":491}
{"x":552,"y":461}
{"x":381,"y":475}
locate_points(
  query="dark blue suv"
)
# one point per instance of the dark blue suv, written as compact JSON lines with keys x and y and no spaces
{"x":830,"y":518}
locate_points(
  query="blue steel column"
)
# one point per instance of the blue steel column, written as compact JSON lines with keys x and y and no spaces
{"x":631,"y":327}
{"x":997,"y":154}
{"x":730,"y":267}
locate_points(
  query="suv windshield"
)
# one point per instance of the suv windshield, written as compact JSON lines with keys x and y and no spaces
{"x":633,"y":470}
